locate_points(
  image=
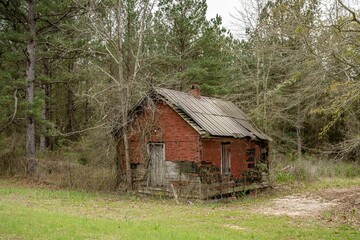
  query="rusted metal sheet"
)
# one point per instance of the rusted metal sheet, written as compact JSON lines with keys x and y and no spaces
{"x":215,"y":116}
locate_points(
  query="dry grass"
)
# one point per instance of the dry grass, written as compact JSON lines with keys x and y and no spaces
{"x":312,"y":168}
{"x":72,"y":175}
{"x":86,"y":164}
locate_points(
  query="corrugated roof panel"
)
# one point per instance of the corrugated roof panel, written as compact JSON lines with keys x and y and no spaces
{"x":208,"y":124}
{"x":215,"y":116}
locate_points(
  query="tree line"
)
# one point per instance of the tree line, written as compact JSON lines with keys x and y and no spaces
{"x":72,"y":67}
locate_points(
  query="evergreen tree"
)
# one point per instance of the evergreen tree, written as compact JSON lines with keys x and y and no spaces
{"x":187,"y":48}
{"x":27,"y":27}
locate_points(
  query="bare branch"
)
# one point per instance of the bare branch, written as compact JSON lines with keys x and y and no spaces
{"x":107,"y":74}
{"x":81,"y":131}
{"x":14,"y":113}
{"x":141,"y":37}
{"x":352,"y":12}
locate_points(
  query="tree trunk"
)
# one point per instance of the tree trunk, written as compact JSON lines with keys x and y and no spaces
{"x":70,"y":107}
{"x":127,"y":96}
{"x":127,"y":153}
{"x":43,"y":126}
{"x":30,"y":87}
{"x":87,"y":112}
{"x":70,"y":110}
{"x":45,"y":112}
{"x":49,"y":140}
{"x":257,"y":87}
{"x":298,"y":132}
{"x":124,"y":95}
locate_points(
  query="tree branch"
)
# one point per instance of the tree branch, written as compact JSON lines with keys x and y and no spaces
{"x":14,"y":114}
{"x":81,"y":131}
{"x":352,"y":12}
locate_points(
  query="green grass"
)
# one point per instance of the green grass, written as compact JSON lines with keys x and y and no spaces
{"x":34,"y":213}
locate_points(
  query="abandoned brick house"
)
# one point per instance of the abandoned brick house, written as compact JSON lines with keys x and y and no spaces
{"x":194,"y":145}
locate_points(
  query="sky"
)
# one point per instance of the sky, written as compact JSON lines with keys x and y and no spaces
{"x":226,"y":8}
{"x":223,"y":8}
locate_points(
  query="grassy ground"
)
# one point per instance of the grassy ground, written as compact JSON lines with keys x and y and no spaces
{"x":32,"y":212}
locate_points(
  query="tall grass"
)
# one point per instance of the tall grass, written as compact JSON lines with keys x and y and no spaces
{"x":311,"y":168}
{"x":86,"y":164}
{"x":67,"y":173}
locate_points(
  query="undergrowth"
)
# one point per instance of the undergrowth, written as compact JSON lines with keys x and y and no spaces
{"x":87,"y":163}
{"x":310,"y":168}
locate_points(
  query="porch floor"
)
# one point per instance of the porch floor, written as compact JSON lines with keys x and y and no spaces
{"x":206,"y":191}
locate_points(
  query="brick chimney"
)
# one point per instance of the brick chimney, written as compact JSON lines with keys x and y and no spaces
{"x":195,"y":90}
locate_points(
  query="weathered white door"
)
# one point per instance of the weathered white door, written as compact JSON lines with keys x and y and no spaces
{"x":157,"y":167}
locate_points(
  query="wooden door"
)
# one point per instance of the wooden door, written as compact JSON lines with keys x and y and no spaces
{"x":225,"y":158}
{"x":157,"y":167}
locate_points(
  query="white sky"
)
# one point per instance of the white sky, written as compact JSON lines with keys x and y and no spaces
{"x":226,"y":8}
{"x":223,"y":8}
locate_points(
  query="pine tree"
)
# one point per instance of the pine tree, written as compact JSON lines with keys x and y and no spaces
{"x":28,"y":25}
{"x":187,"y":48}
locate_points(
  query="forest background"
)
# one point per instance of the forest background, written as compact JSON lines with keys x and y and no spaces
{"x":70,"y":71}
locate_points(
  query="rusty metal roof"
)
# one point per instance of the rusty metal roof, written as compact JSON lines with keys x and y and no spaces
{"x":215,"y":116}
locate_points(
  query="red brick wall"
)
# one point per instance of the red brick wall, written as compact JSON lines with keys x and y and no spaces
{"x":211,"y":149}
{"x":181,"y":140}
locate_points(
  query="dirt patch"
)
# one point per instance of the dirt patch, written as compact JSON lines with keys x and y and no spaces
{"x":333,"y":205}
{"x":347,"y":210}
{"x":297,"y":205}
{"x":344,"y":196}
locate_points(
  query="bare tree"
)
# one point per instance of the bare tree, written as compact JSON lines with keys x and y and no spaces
{"x":277,"y":64}
{"x":340,"y":35}
{"x":121,"y":54}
